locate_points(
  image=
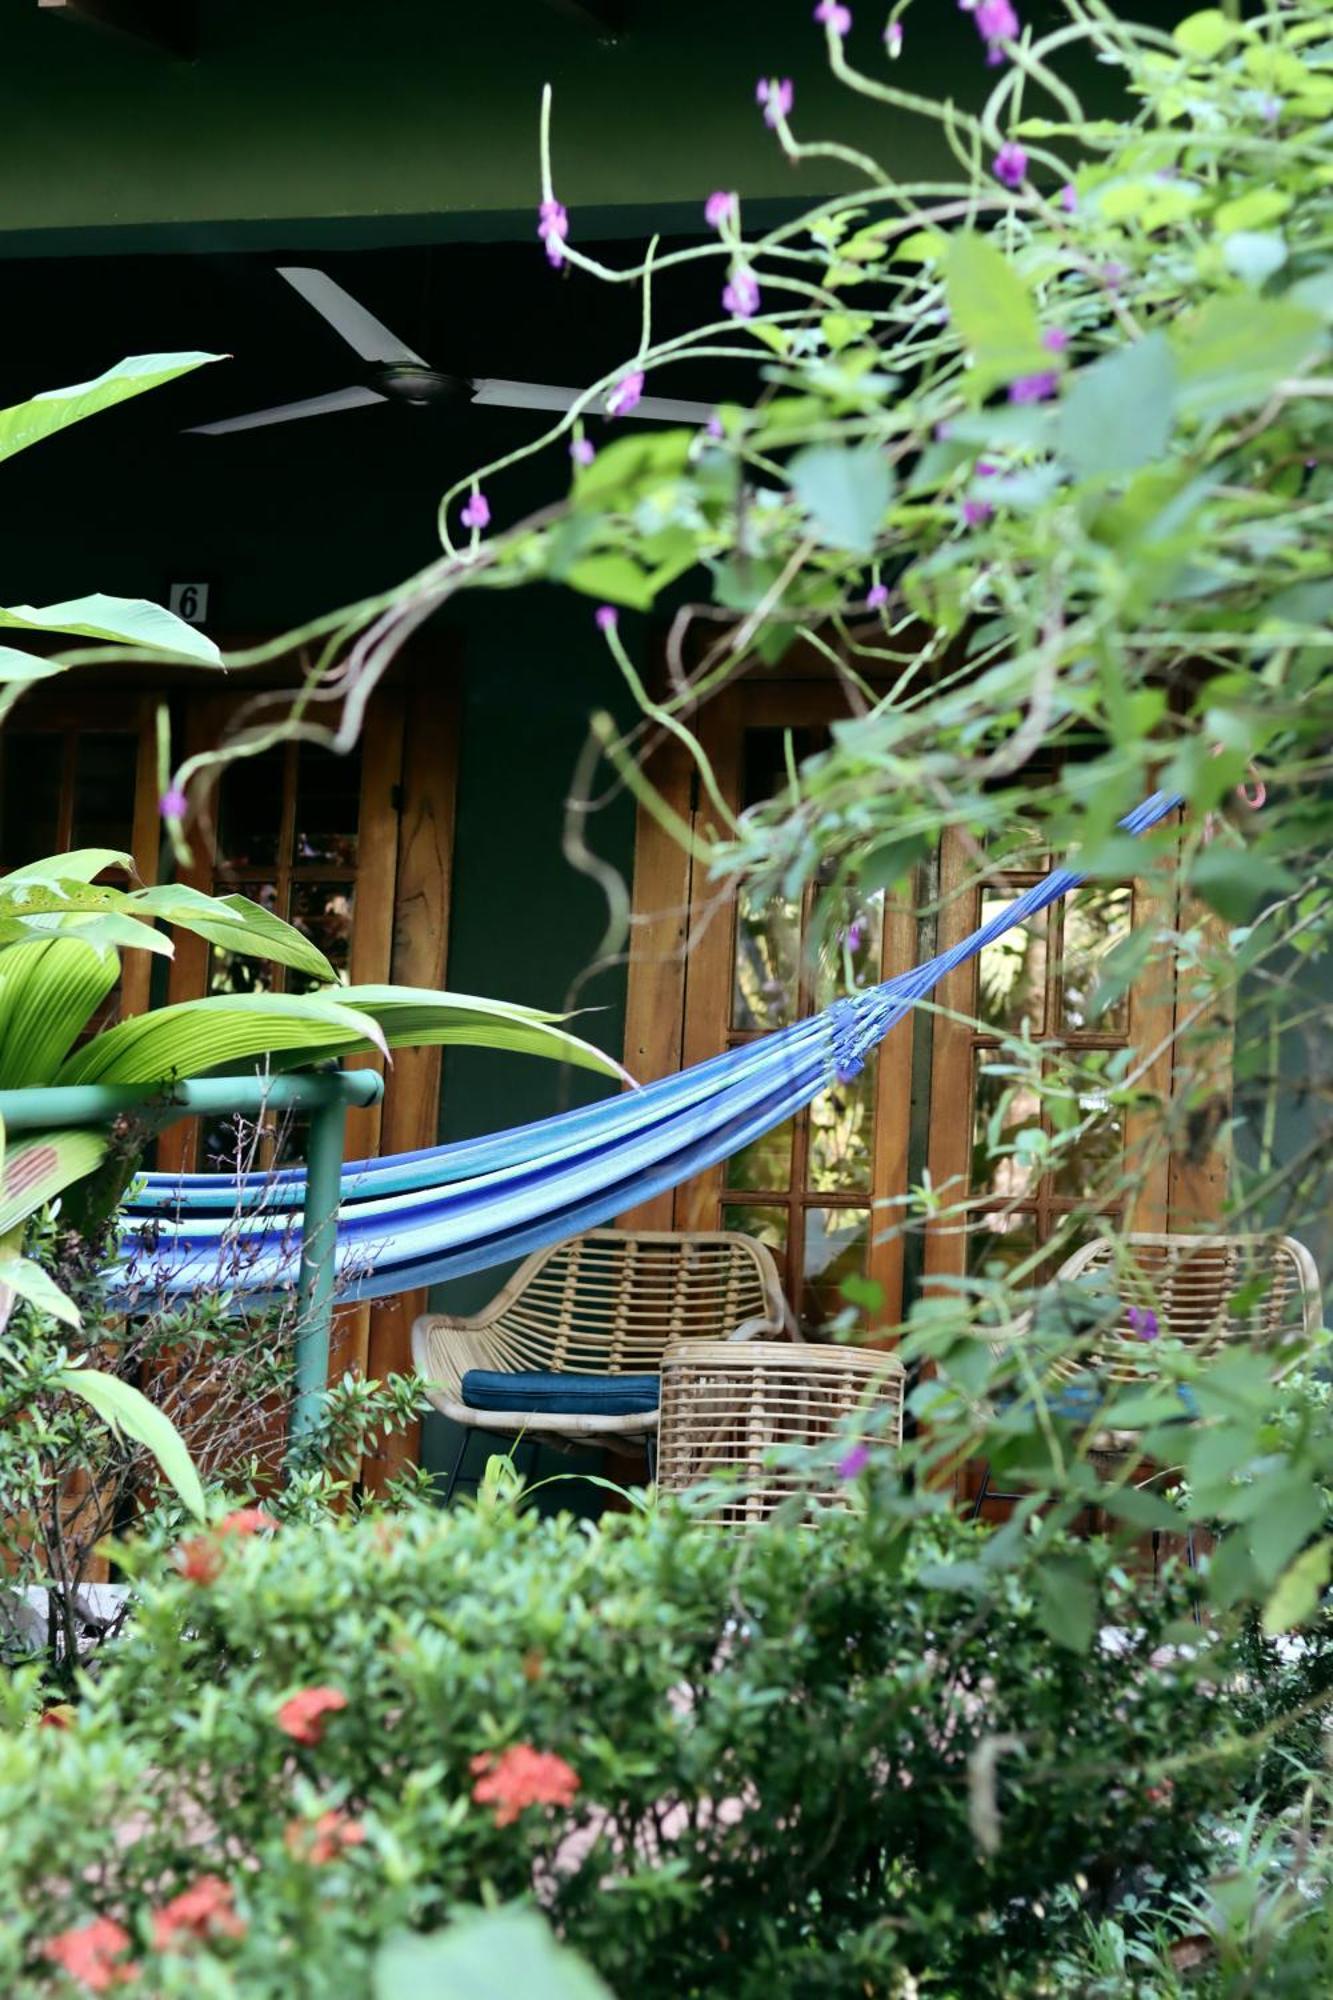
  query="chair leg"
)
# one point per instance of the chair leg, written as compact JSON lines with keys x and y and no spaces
{"x":650,"y":1453}
{"x":456,"y":1467}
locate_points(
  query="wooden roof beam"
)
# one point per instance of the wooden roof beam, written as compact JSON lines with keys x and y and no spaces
{"x":169,"y":25}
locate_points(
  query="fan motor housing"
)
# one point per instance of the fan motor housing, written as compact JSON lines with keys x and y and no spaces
{"x":408,"y":384}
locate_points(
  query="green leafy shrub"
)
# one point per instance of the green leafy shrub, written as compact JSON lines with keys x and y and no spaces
{"x":812,"y":1759}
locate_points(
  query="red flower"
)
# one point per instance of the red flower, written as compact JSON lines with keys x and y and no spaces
{"x":302,"y":1714}
{"x":199,"y":1560}
{"x":59,"y":1716}
{"x":521,"y":1777}
{"x":89,"y":1955}
{"x":245,"y":1521}
{"x":204,"y":1911}
{"x":1160,"y":1795}
{"x":325,"y":1839}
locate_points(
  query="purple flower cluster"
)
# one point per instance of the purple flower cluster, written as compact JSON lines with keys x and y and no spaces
{"x":625,"y":394}
{"x":720,"y":208}
{"x":477,"y":512}
{"x":553,"y":228}
{"x":1011,"y":164}
{"x":893,"y":40}
{"x":832,"y":14}
{"x":740,"y":296}
{"x":1142,"y":1321}
{"x":582,"y":451}
{"x":996,"y":23}
{"x":173,"y":803}
{"x":607,"y":617}
{"x":1038,"y":388}
{"x":777,"y":97}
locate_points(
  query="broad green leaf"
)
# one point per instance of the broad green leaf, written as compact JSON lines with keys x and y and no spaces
{"x":31,"y":1282}
{"x":1254,"y":209}
{"x":410,"y":1016}
{"x":1235,"y":881}
{"x":844,"y":492}
{"x":1253,"y":255}
{"x":18,"y":671}
{"x":128,"y":1410}
{"x":1292,"y":1511}
{"x":49,"y":990}
{"x":1094,"y":435}
{"x":53,"y":409}
{"x":1233,"y":353}
{"x":81,"y":864}
{"x":889,"y":861}
{"x":1298,"y":1590}
{"x":131,"y":621}
{"x":615,"y":578}
{"x":39,"y":1167}
{"x":993,"y":313}
{"x":505,"y":1954}
{"x":108,"y":931}
{"x":1067,"y":1601}
{"x":225,"y":1031}
{"x":236,"y":924}
{"x":1315,"y":293}
{"x":1205,"y":34}
{"x":624,"y":469}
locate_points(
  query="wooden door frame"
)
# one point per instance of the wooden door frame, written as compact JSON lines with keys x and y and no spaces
{"x":680,"y":968}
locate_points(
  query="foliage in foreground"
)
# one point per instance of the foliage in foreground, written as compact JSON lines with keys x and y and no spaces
{"x":800,"y":1760}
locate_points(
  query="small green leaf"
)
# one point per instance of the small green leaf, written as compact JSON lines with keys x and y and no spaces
{"x":52,"y":409}
{"x":1094,"y":435}
{"x":129,"y":621}
{"x":993,"y":313}
{"x":1205,"y":34}
{"x":496,"y":1956}
{"x":127,"y":1409}
{"x":1254,"y":209}
{"x":1253,"y":255}
{"x":615,"y":579}
{"x":923,"y":246}
{"x":1298,"y":1590}
{"x":890,"y":861}
{"x":845,"y":493}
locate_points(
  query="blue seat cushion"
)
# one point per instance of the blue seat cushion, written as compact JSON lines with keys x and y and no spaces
{"x":536,"y":1392}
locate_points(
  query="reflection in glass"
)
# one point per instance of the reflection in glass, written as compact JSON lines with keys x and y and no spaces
{"x":767,"y":1223}
{"x":29,"y":795}
{"x":996,"y":1243}
{"x":323,"y":910}
{"x":1096,"y":920}
{"x":105,"y":768}
{"x":765,"y":1164}
{"x":250,"y":811}
{"x":1001,"y":1110}
{"x":1096,"y":1156}
{"x":328,"y":806}
{"x":1011,"y":973}
{"x":835,"y":1249}
{"x":851,"y":944}
{"x":768,"y":951}
{"x":842,"y":1131}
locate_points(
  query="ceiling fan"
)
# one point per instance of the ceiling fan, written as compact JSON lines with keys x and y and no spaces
{"x":400,"y":376}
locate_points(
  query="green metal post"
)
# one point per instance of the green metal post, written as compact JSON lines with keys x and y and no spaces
{"x":319,"y":1243}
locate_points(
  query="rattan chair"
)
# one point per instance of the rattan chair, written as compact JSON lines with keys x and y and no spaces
{"x":1191,"y":1284}
{"x":726,"y":1409}
{"x":605,"y":1304}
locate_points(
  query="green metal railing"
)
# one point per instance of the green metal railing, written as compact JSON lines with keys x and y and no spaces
{"x":327,"y":1096}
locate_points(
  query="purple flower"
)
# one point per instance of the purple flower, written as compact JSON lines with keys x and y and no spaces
{"x":741,"y":296}
{"x":855,"y":931}
{"x":1142,"y":1322}
{"x":893,"y":40}
{"x":625,"y":394}
{"x":984,"y":469}
{"x":173,"y":803}
{"x":553,"y":228}
{"x":855,"y":1461}
{"x":477,"y":512}
{"x":715,"y":427}
{"x":834,"y":15}
{"x":719,"y":208}
{"x":1055,"y":340}
{"x":976,"y":513}
{"x":943,"y":432}
{"x":1034,"y":388}
{"x":1270,"y":109}
{"x":996,"y":23}
{"x":1069,"y":198}
{"x":1113,"y":275}
{"x":877,"y":597}
{"x":776,"y":97}
{"x":582,"y":451}
{"x":1011,"y":164}
{"x":607,"y":617}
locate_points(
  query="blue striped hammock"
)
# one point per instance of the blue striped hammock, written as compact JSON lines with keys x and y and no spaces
{"x":416,"y":1218}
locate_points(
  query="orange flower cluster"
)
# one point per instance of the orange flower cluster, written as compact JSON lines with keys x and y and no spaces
{"x":199,"y":1559}
{"x":204,"y":1911}
{"x":520,"y":1777}
{"x":302,"y":1715}
{"x":324,"y":1839}
{"x":94,"y":1955}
